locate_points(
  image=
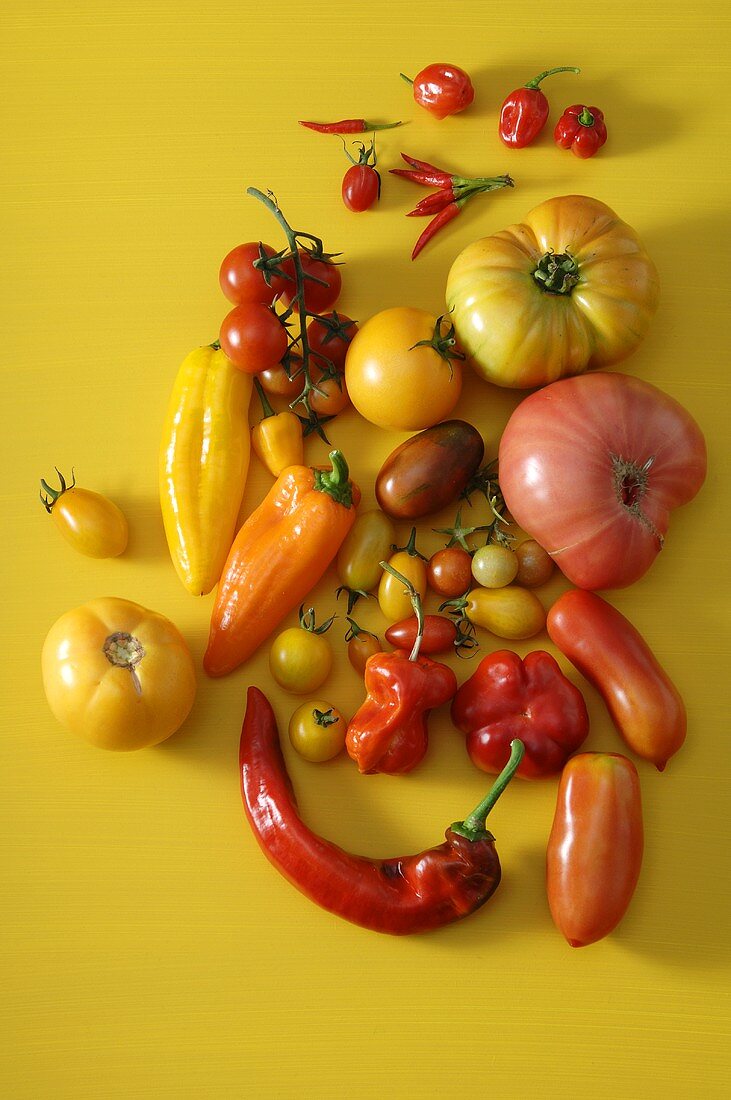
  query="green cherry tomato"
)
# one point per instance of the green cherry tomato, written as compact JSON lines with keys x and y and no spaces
{"x":494,"y":566}
{"x":317,"y":731}
{"x":368,"y":543}
{"x":299,"y":660}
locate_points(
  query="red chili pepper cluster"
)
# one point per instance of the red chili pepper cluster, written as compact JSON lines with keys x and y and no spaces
{"x":447,"y":202}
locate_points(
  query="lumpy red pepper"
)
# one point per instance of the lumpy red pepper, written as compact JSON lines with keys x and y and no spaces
{"x":581,"y":129}
{"x":401,"y":895}
{"x":525,"y":111}
{"x":507,"y":697}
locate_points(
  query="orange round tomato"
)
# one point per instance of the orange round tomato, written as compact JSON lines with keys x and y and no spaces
{"x":403,"y":369}
{"x":118,"y":675}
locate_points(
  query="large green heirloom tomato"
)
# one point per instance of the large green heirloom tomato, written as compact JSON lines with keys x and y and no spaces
{"x":569,"y":289}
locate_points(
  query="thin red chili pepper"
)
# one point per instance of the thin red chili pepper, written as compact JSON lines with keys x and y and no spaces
{"x":349,"y":126}
{"x":436,"y":224}
{"x":433,"y":203}
{"x":435,"y":178}
{"x":423,"y":165}
{"x":399,"y":896}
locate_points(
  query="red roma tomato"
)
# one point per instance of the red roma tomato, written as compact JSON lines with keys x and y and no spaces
{"x":443,"y":89}
{"x":440,"y":634}
{"x":329,"y":337}
{"x":242,"y":282}
{"x":644,"y":704}
{"x":318,"y":297}
{"x":253,"y":337}
{"x":361,"y":187}
{"x":591,"y":468}
{"x":595,"y":847}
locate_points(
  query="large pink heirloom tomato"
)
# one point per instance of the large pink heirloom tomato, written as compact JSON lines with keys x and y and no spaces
{"x":569,"y":288}
{"x":591,"y":468}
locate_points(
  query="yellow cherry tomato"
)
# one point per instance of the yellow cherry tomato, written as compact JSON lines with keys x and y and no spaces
{"x":117,"y":674}
{"x":367,"y":544}
{"x":317,"y":731}
{"x":300,"y":659}
{"x":401,"y":369}
{"x":91,"y":523}
{"x":393,"y":598}
{"x":494,"y":566}
{"x":509,"y":612}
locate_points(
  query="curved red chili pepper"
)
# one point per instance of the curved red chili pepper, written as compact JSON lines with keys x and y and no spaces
{"x":398,"y":896}
{"x":436,"y":224}
{"x":349,"y":126}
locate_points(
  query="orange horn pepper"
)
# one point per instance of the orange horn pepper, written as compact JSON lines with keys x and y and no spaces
{"x":277,"y":558}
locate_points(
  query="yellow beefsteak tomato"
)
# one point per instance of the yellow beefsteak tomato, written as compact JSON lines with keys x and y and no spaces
{"x":118,"y":675}
{"x":568,"y":289}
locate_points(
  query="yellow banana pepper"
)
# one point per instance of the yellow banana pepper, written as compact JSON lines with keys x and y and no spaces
{"x":277,"y":439}
{"x":204,"y":460}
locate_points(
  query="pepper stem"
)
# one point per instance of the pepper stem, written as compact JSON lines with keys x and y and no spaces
{"x":415,"y":603}
{"x":266,"y":407}
{"x":406,"y":78}
{"x":336,"y":482}
{"x":473,"y":826}
{"x":586,"y":118}
{"x":549,"y":72}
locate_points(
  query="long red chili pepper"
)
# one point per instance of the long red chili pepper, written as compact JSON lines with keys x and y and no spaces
{"x":436,"y":224}
{"x":433,"y":203}
{"x":349,"y":126}
{"x":399,"y":895}
{"x":433,"y":178}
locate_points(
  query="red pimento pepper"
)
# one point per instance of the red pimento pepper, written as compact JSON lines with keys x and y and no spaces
{"x":525,"y":111}
{"x":349,"y":126}
{"x":507,"y":697}
{"x":388,"y":733}
{"x":581,"y":129}
{"x":398,"y":896}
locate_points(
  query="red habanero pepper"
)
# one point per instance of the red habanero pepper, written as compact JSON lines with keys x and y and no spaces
{"x":398,"y":896}
{"x":349,"y":126}
{"x":581,"y":129}
{"x":525,"y":111}
{"x":507,"y":697}
{"x":388,"y":733}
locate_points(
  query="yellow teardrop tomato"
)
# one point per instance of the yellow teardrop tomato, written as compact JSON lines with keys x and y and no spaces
{"x":118,"y":675}
{"x":367,"y":544}
{"x":509,"y":612}
{"x":570,"y":288}
{"x":395,"y":377}
{"x":393,"y":598}
{"x":91,"y":523}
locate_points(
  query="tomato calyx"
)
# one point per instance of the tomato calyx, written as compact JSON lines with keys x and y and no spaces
{"x":354,"y":594}
{"x":458,"y":534}
{"x":631,"y":483}
{"x":410,"y":547}
{"x":557,"y":273}
{"x":416,"y":603}
{"x":49,"y":496}
{"x":444,"y":344}
{"x":125,"y":651}
{"x":308,"y":621}
{"x":466,"y":641}
{"x":272,"y":266}
{"x":355,"y":631}
{"x":325,"y":718}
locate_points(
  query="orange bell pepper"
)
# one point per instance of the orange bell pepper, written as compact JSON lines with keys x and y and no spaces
{"x":277,"y":558}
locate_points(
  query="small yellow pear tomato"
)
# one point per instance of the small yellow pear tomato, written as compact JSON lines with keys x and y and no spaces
{"x":300,"y":659}
{"x":509,"y":612}
{"x":393,"y":597}
{"x":317,"y":731}
{"x":117,"y":674}
{"x":94,"y":525}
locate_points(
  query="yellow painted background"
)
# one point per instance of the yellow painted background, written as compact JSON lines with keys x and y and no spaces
{"x":150,"y":950}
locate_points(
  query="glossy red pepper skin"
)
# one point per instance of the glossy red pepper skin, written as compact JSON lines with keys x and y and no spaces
{"x":595,"y":848}
{"x":524,"y":112}
{"x":530,"y":699}
{"x":610,"y":652}
{"x":349,"y":126}
{"x":398,"y":896}
{"x":581,"y":129}
{"x":442,"y":89}
{"x":388,"y":733}
{"x":440,"y":635}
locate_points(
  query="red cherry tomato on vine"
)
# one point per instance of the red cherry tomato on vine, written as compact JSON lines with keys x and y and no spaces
{"x":253,"y":337}
{"x":242,"y":282}
{"x":318,"y":297}
{"x":330,"y":337}
{"x":278,"y":383}
{"x":331,"y":395}
{"x":443,"y":89}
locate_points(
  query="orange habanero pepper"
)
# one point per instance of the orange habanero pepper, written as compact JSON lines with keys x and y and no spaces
{"x":277,"y":558}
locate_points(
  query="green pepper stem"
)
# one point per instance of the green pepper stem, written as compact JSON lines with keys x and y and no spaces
{"x":473,"y":826}
{"x":266,"y":407}
{"x":415,"y":603}
{"x":549,"y":72}
{"x":406,"y":78}
{"x":586,"y":118}
{"x":336,"y":482}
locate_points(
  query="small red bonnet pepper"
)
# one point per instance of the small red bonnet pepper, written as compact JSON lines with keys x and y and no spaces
{"x":525,"y":111}
{"x":581,"y":129}
{"x":388,"y":733}
{"x":507,"y":697}
{"x":400,"y":895}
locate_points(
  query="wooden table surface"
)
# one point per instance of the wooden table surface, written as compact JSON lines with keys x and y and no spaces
{"x":149,"y":949}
